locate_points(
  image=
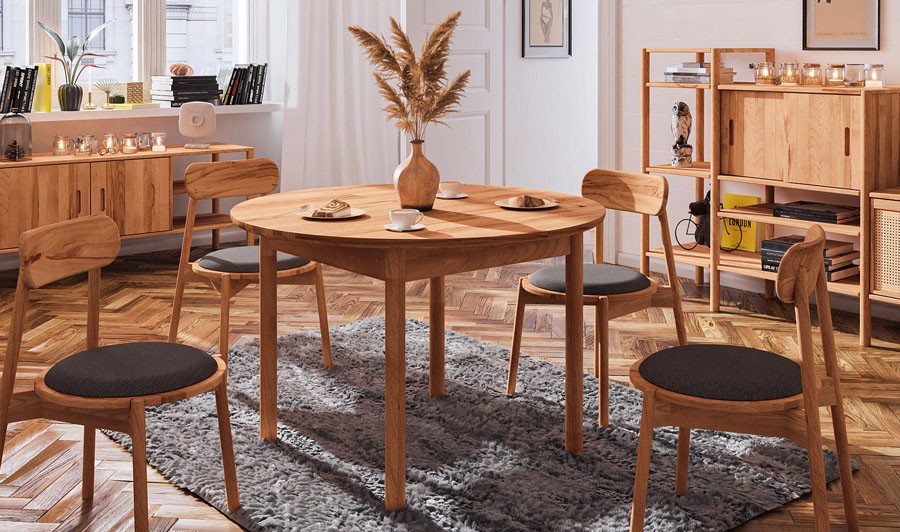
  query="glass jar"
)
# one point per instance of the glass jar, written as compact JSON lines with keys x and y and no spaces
{"x":129,"y":143}
{"x":790,"y":74}
{"x":811,"y":74}
{"x":159,"y":141}
{"x":62,"y":146}
{"x":109,"y":145}
{"x":764,"y":73}
{"x":15,"y":136}
{"x":855,"y":75}
{"x":143,"y":141}
{"x":84,"y":145}
{"x":874,"y":75}
{"x":834,"y":74}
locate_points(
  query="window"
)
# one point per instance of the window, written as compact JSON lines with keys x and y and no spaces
{"x":114,"y":44}
{"x":200,"y":33}
{"x":84,"y":16}
{"x":1,"y":25}
{"x":12,"y":34}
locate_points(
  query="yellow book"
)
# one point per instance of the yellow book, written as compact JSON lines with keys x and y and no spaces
{"x":43,"y":89}
{"x":739,"y":234}
{"x":126,"y":106}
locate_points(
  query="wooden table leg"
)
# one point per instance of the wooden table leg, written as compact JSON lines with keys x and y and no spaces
{"x":268,"y":342}
{"x":394,"y":383}
{"x":436,"y":338}
{"x":574,"y":345}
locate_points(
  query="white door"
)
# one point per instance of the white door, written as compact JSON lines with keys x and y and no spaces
{"x":471,"y":149}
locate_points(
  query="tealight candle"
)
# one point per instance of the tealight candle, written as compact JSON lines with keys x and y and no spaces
{"x":109,"y":145}
{"x":159,"y":141}
{"x":84,"y":146}
{"x":143,"y":141}
{"x":812,"y":74}
{"x":790,"y":74}
{"x":855,"y":75}
{"x":62,"y":146}
{"x":129,"y":143}
{"x":764,"y":73}
{"x":834,"y":75}
{"x":874,"y":75}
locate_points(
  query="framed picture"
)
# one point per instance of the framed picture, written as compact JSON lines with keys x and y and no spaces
{"x":841,"y":24}
{"x":546,"y":28}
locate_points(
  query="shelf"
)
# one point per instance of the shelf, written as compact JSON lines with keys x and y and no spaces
{"x":755,"y":213}
{"x":885,"y":299}
{"x":848,"y":286}
{"x":809,"y":89}
{"x":784,"y":184}
{"x":205,"y":222}
{"x":699,"y":256}
{"x":699,"y":169}
{"x":128,"y":114}
{"x":674,"y":85}
{"x":887,"y":193}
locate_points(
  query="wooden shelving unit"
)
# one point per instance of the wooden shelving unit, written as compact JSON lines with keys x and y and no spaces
{"x":835,"y":137}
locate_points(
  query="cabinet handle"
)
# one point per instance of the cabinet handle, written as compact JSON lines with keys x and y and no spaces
{"x":731,"y":132}
{"x":77,"y":202}
{"x":102,"y":200}
{"x":846,"y":142}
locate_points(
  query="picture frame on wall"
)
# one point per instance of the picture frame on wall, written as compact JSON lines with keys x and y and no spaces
{"x":841,"y":24}
{"x":546,"y":28}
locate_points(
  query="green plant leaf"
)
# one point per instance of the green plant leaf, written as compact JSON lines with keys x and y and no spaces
{"x":74,"y":45}
{"x":96,"y":31}
{"x":55,"y":36}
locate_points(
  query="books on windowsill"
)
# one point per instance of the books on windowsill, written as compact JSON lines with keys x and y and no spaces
{"x":173,"y":91}
{"x":247,"y":85}
{"x":19,"y":84}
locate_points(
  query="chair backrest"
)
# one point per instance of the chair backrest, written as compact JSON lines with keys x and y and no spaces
{"x":229,"y":179}
{"x":798,"y":272}
{"x":625,"y":191}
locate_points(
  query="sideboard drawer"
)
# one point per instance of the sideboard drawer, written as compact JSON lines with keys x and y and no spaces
{"x":137,"y":194}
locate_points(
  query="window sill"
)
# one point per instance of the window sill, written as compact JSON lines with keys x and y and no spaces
{"x":127,"y":114}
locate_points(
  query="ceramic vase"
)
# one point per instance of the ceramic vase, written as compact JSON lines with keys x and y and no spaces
{"x":417,"y":180}
{"x":70,"y":97}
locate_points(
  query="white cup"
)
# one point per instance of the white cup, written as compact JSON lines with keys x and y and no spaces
{"x":405,"y":218}
{"x":452,"y":188}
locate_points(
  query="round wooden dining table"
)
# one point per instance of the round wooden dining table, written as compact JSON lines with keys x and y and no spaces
{"x":460,"y":235}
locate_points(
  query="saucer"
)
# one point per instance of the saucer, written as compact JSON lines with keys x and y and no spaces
{"x":458,"y":196}
{"x":394,"y":228}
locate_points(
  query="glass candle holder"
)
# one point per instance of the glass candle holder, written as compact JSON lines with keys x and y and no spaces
{"x":143,"y":141}
{"x":811,"y":74}
{"x":62,"y":146}
{"x":855,"y":75}
{"x":764,"y":73}
{"x":834,"y":75}
{"x":874,"y":75}
{"x":109,"y":145}
{"x":159,"y":141}
{"x":129,"y":143}
{"x":790,"y":74}
{"x":84,"y":146}
{"x":15,"y":136}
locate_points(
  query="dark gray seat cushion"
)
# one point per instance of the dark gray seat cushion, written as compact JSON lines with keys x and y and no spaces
{"x":599,"y":279}
{"x":125,"y":370}
{"x":245,"y":259}
{"x":724,"y":372}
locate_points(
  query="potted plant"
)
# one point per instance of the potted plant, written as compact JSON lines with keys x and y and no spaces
{"x":418,"y":93}
{"x":71,"y":56}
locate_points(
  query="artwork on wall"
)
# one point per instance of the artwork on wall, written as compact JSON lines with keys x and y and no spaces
{"x":841,"y":24}
{"x":546,"y":28}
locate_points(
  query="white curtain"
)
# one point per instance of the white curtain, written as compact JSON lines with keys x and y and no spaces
{"x":334,"y":130}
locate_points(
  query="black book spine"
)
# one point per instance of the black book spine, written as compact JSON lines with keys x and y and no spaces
{"x":769,"y":266}
{"x":31,"y":75}
{"x":776,"y":246}
{"x":5,"y":94}
{"x":262,"y":83}
{"x":236,"y":82}
{"x":251,"y":85}
{"x":227,"y":90}
{"x":242,"y":90}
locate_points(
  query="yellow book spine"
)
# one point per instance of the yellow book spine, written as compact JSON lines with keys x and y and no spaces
{"x":43,"y":89}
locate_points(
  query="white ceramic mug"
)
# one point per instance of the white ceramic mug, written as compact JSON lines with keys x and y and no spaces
{"x":452,"y":188}
{"x":405,"y":218}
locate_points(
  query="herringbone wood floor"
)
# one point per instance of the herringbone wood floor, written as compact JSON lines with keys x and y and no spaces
{"x":40,"y":477}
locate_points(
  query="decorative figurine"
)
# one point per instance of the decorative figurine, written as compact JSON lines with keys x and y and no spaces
{"x":682,"y":120}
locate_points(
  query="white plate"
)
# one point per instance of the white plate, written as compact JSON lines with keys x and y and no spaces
{"x":548,"y":204}
{"x":306,"y":211}
{"x":458,"y":196}
{"x":394,"y":228}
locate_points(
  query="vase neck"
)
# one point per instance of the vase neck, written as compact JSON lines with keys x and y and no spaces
{"x":417,"y":146}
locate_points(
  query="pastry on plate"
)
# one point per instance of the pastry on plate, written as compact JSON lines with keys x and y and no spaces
{"x":333,"y":209}
{"x":525,"y":201}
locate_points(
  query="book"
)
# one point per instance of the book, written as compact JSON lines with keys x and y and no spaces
{"x":836,"y":262}
{"x":246,"y":85}
{"x":143,"y":105}
{"x":833,"y":248}
{"x":820,"y":212}
{"x":43,"y":88}
{"x":181,"y":80}
{"x":739,"y":234}
{"x":167,"y":104}
{"x":724,"y":77}
{"x":843,"y":273}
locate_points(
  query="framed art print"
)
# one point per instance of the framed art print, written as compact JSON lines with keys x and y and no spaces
{"x":841,"y":24}
{"x":546,"y":28}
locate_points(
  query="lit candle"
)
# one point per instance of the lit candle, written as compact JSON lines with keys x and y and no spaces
{"x":129,"y":143}
{"x":61,"y":146}
{"x":159,"y":142}
{"x":834,"y":76}
{"x":874,"y":75}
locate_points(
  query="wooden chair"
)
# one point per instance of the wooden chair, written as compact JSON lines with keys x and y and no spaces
{"x":230,"y":270}
{"x":738,"y":389}
{"x":104,"y":387}
{"x":612,"y":290}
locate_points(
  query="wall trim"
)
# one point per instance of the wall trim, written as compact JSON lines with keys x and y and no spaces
{"x":608,"y":111}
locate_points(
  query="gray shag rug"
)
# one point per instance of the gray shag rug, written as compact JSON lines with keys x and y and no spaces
{"x":476,"y":459}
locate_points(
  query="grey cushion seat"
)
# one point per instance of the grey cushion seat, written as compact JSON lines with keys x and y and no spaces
{"x":245,"y":259}
{"x":723,"y":372}
{"x":125,"y":370}
{"x":599,"y":279}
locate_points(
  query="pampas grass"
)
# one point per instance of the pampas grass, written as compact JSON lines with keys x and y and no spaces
{"x":416,"y":89}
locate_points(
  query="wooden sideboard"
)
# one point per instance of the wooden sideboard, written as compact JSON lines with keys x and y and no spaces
{"x":135,"y":190}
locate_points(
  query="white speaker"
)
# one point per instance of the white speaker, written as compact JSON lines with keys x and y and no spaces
{"x":197,"y":121}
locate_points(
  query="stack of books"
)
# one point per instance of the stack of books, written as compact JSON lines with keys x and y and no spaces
{"x":691,"y":72}
{"x":18,"y":89}
{"x":175,"y":91}
{"x":839,"y":256}
{"x":247,"y":85}
{"x":817,"y":212}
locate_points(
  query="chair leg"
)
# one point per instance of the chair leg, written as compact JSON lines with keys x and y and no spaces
{"x":844,"y":465}
{"x":679,"y":314}
{"x":681,"y":467}
{"x":642,"y":468}
{"x":601,"y":356}
{"x":817,"y":469}
{"x":87,"y":466}
{"x":231,"y":485}
{"x":139,"y":466}
{"x":224,"y":316}
{"x":518,"y":322}
{"x":323,"y":318}
{"x":176,"y":306}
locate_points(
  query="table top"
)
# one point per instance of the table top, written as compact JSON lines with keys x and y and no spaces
{"x":459,"y":221}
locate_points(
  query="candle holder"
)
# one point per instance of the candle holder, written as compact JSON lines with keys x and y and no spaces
{"x":129,"y":143}
{"x":90,"y":105}
{"x":811,"y":74}
{"x":144,"y":141}
{"x":874,"y":75}
{"x":764,"y":73}
{"x":62,"y":146}
{"x":834,"y":75}
{"x":790,"y":74}
{"x":159,"y":141}
{"x":84,"y":146}
{"x":855,"y":75}
{"x":109,"y":145}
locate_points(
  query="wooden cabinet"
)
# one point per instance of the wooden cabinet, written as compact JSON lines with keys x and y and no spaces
{"x":40,"y":195}
{"x":886,"y":246}
{"x":753,"y":135}
{"x":137,"y":194}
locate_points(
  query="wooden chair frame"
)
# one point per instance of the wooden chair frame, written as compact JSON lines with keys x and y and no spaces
{"x":58,"y":251}
{"x":622,"y":191}
{"x":796,"y":418}
{"x":223,"y":179}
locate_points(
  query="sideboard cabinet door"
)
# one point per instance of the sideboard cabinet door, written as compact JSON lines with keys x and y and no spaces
{"x":40,"y":195}
{"x":753,"y":135}
{"x":137,"y":194}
